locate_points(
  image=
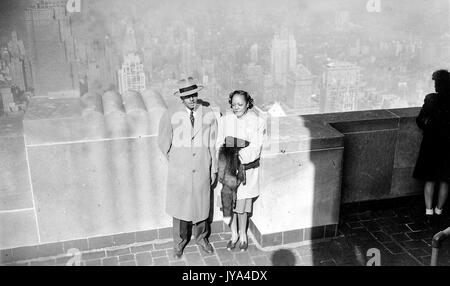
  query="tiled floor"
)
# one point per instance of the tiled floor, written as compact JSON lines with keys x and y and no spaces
{"x":398,"y":236}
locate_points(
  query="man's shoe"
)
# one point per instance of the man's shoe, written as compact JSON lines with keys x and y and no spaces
{"x":205,"y":246}
{"x":177,"y":253}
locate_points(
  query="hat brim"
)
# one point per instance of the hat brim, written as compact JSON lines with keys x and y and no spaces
{"x":187,"y":93}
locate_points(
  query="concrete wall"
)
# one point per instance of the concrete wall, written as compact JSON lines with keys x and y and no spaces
{"x":17,"y":214}
{"x":322,"y":161}
{"x":95,"y":170}
{"x":300,"y":181}
{"x":94,"y":166}
{"x":380,"y":150}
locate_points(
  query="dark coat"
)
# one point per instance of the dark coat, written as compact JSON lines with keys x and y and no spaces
{"x":433,"y":162}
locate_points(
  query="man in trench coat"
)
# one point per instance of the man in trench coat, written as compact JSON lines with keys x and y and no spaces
{"x":187,"y":137}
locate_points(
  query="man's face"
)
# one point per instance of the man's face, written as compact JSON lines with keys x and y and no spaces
{"x":190,"y":101}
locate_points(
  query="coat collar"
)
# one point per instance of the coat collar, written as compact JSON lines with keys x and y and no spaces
{"x":198,"y":122}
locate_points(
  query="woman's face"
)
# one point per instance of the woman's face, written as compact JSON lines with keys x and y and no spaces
{"x":239,"y":105}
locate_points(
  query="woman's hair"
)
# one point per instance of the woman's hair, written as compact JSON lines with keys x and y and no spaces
{"x":442,"y":80}
{"x":441,"y":75}
{"x":245,"y":94}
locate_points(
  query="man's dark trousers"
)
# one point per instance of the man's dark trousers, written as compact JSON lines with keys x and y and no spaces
{"x":182,"y":229}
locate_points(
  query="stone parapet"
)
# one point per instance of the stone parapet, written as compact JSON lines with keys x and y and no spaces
{"x":91,"y":167}
{"x":324,"y":160}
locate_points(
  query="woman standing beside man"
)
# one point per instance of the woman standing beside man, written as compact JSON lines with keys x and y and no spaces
{"x":243,"y":123}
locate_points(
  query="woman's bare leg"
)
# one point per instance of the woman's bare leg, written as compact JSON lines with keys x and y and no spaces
{"x":443,"y":194}
{"x":429,"y":191}
{"x":234,"y":227}
{"x":243,"y":226}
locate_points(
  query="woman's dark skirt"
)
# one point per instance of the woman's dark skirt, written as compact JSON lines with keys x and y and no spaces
{"x":433,"y":162}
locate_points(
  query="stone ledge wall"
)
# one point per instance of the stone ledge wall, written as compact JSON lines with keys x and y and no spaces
{"x":95,"y":169}
{"x":347,"y":157}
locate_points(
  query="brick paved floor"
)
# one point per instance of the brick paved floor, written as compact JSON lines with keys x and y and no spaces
{"x":399,"y":234}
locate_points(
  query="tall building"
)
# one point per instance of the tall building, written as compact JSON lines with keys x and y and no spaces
{"x":255,"y":76}
{"x":129,"y":43}
{"x":283,"y":56}
{"x":300,"y":89}
{"x":212,"y":88}
{"x":208,"y":68}
{"x":131,"y":76}
{"x":187,"y":58}
{"x":49,"y":44}
{"x":340,"y":87}
{"x":269,"y":92}
{"x":17,"y":52}
{"x":6,"y":97}
{"x":149,"y":45}
{"x":101,"y":67}
{"x":188,"y":53}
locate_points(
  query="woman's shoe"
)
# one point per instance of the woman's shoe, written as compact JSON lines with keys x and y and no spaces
{"x":429,"y":220}
{"x":231,"y":245}
{"x":440,"y":223}
{"x":243,"y":246}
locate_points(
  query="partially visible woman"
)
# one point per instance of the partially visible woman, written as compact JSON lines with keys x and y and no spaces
{"x":243,"y":123}
{"x":433,"y":162}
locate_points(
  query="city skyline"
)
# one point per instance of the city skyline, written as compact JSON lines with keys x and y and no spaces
{"x":260,"y":46}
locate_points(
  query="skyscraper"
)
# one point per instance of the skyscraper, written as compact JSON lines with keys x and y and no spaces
{"x":48,"y":43}
{"x":299,"y":89}
{"x":129,"y":43}
{"x":283,"y":55}
{"x":188,"y":53}
{"x":187,"y":58}
{"x":6,"y":97}
{"x":17,"y":52}
{"x":131,"y":76}
{"x":340,"y":87}
{"x":255,"y":76}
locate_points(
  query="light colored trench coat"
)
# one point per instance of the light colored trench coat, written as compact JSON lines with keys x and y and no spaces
{"x":252,"y":128}
{"x":191,"y":156}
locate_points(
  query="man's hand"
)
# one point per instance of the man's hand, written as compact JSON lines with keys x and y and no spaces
{"x":213,"y":178}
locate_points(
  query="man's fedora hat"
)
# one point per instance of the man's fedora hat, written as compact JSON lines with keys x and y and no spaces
{"x":187,"y":86}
